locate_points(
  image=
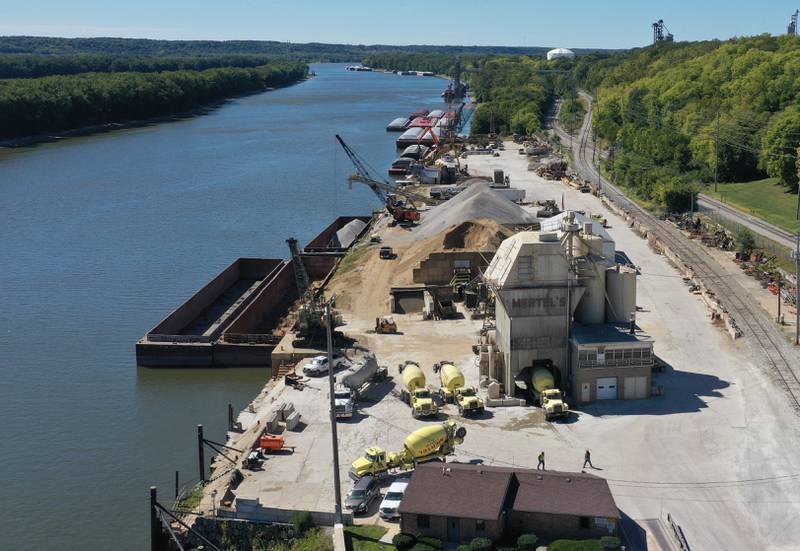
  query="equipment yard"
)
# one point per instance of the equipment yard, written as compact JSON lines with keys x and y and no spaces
{"x":718,"y":449}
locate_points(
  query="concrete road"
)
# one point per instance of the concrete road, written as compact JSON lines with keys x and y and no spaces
{"x":754,"y":223}
{"x":719,"y":451}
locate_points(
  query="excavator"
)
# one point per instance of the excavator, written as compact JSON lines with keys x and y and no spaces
{"x":401,"y":204}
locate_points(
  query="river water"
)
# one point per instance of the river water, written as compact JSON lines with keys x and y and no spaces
{"x":101,"y":236}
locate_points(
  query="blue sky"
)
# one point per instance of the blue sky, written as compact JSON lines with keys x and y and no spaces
{"x":577,"y":23}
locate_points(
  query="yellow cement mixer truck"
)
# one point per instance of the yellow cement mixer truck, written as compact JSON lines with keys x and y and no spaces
{"x":454,"y":390}
{"x":547,"y":395}
{"x":415,"y":392}
{"x":425,"y":444}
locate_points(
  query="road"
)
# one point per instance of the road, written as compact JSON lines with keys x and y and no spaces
{"x":754,"y":223}
{"x":769,"y":346}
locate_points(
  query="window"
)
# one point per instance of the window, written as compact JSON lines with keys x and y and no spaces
{"x":423,"y":521}
{"x":584,"y":522}
{"x":525,"y":267}
{"x":480,"y":525}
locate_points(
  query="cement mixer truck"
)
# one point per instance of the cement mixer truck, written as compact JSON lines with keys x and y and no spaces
{"x":425,"y":444}
{"x":415,"y":392}
{"x":547,"y":395}
{"x":453,"y":389}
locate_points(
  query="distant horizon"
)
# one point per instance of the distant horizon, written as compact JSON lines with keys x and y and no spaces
{"x":506,"y":23}
{"x":356,"y":44}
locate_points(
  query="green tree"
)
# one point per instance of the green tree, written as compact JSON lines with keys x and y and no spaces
{"x":780,"y":144}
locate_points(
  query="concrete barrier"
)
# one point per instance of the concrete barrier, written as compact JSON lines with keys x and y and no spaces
{"x":293,"y":421}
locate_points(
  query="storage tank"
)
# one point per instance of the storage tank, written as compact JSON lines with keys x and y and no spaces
{"x":413,"y":377}
{"x":451,"y":377}
{"x":592,"y":306}
{"x":621,"y":289}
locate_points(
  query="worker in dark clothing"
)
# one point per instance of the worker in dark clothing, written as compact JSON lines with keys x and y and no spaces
{"x":541,"y":462}
{"x":587,"y":459}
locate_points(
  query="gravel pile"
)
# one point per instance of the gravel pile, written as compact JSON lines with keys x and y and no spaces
{"x":476,"y":202}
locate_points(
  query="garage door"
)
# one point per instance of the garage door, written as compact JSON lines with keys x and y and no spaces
{"x":635,"y":387}
{"x":607,"y":388}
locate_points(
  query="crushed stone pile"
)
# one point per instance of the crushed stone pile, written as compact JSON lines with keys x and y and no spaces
{"x":477,"y":202}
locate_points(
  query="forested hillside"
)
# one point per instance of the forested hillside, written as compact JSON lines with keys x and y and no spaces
{"x":40,"y":65}
{"x":658,"y":108}
{"x":57,"y":103}
{"x":312,"y":51}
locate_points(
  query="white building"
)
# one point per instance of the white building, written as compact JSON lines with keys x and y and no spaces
{"x":560,"y":53}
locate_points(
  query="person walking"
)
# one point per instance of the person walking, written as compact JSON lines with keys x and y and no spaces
{"x":541,"y":462}
{"x":587,"y":459}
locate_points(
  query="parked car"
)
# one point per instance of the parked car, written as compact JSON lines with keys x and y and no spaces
{"x":391,"y":502}
{"x":386,"y":253}
{"x":364,"y":492}
{"x":318,"y":365}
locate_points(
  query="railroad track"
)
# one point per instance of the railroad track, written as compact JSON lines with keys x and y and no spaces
{"x":767,"y":340}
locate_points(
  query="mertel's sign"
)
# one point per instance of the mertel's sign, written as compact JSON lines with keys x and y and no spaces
{"x":537,"y":302}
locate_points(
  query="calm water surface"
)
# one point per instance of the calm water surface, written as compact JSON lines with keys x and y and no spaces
{"x":101,"y":236}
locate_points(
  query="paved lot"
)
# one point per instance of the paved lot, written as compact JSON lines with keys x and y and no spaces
{"x":718,"y":451}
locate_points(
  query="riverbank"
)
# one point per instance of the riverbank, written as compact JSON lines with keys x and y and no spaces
{"x":48,"y":137}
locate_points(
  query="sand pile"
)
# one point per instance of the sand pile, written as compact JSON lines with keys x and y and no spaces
{"x":474,"y":235}
{"x":477,"y":202}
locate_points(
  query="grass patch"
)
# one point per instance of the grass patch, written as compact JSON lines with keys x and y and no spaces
{"x":316,"y":539}
{"x":575,"y":545}
{"x":766,"y":199}
{"x":353,"y":257}
{"x":191,"y":500}
{"x":364,"y":537}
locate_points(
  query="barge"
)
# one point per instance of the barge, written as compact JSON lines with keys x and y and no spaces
{"x":233,"y":319}
{"x":398,"y":125}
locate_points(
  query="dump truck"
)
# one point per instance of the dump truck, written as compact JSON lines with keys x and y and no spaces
{"x":385,"y":325}
{"x":454,"y":390}
{"x":425,"y":444}
{"x":547,"y":395}
{"x":415,"y":392}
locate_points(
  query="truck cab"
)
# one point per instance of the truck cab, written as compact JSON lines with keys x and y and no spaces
{"x":422,"y":403}
{"x":375,"y":462}
{"x":468,"y":401}
{"x":553,"y":404}
{"x":344,"y":404}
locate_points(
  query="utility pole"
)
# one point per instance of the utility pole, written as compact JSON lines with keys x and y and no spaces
{"x":716,"y":153}
{"x":337,"y":490}
{"x":797,"y":288}
{"x":155,"y":530}
{"x":201,"y":459}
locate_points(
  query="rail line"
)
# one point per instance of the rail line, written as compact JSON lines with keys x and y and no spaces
{"x":758,"y":327}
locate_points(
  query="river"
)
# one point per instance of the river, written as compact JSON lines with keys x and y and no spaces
{"x":103,"y":235}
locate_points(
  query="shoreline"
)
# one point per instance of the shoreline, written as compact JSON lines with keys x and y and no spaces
{"x":92,"y":129}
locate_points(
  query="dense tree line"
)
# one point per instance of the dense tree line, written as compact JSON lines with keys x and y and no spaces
{"x":39,"y":65}
{"x":442,"y":64}
{"x":513,"y":94}
{"x":312,"y":51}
{"x":659,"y":108}
{"x":57,"y":103}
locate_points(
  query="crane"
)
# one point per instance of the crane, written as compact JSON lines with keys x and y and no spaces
{"x":402,"y":211}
